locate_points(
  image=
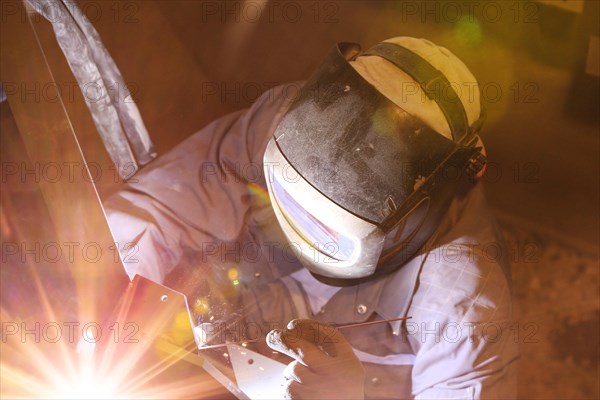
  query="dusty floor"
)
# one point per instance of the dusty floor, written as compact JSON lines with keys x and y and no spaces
{"x":547,"y":192}
{"x":556,"y":309}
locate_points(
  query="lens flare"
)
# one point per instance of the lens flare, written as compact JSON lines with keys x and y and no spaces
{"x":44,"y":365}
{"x":467,"y":32}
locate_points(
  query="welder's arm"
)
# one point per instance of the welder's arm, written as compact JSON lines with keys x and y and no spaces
{"x":194,"y":196}
{"x":478,"y":363}
{"x":180,"y":201}
{"x":324,"y":366}
{"x":462,"y":330}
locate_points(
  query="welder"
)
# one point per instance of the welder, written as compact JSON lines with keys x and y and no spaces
{"x":360,"y":202}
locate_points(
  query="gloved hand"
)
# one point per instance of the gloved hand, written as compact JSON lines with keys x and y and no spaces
{"x":325,"y":366}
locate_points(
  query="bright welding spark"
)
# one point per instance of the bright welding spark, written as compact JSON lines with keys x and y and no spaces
{"x":233,"y":274}
{"x":86,"y":389}
{"x":60,"y":370}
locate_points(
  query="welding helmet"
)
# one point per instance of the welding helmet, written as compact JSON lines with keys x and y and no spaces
{"x":366,"y":160}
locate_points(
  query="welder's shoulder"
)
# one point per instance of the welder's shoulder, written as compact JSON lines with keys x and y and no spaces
{"x":240,"y":137}
{"x":276,"y":97}
{"x":465,"y":277}
{"x":261,"y":119}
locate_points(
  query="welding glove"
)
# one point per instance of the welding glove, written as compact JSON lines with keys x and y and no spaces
{"x":325,"y":365}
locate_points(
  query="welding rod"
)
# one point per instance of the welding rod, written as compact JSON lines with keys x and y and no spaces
{"x":341,"y":326}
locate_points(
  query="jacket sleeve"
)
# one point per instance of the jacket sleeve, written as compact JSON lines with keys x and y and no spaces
{"x":196,"y":195}
{"x":462,"y":330}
